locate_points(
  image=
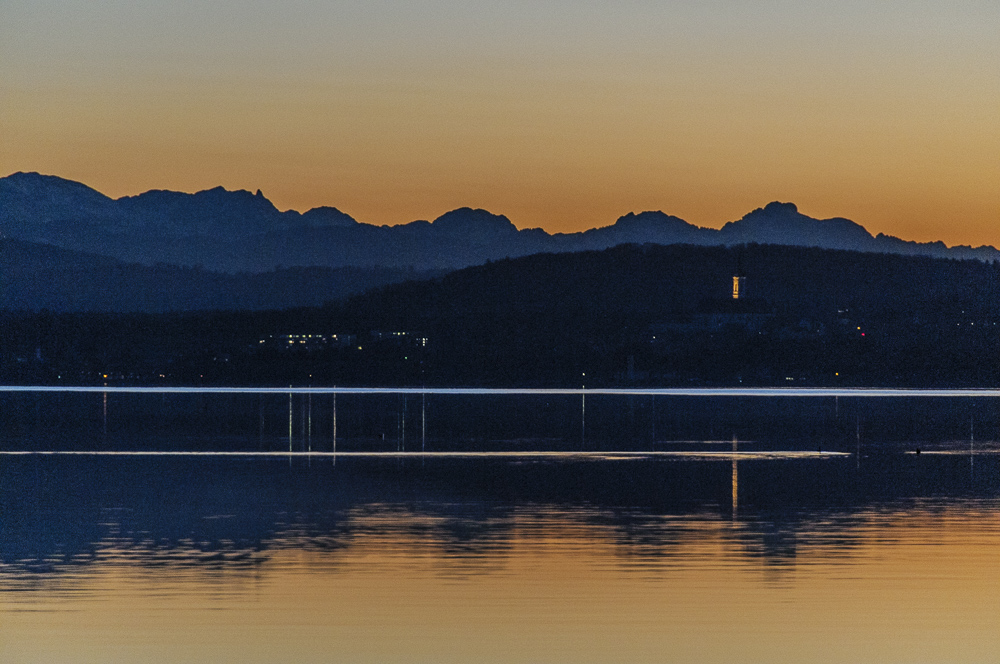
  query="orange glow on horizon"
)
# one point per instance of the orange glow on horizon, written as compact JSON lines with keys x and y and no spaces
{"x":563,"y":120}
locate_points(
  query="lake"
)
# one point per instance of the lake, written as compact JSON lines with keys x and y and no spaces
{"x":313,"y":527}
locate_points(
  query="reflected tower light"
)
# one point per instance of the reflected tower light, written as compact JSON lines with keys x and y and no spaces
{"x":736,"y":480}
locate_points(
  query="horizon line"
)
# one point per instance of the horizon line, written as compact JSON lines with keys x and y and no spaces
{"x":809,"y":392}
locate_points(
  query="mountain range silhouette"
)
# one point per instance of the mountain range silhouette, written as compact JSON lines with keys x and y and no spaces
{"x":66,"y":247}
{"x":240,"y":231}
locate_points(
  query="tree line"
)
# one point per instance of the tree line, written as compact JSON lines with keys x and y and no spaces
{"x":631,"y":315}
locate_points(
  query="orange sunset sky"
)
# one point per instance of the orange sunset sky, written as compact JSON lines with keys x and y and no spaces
{"x":560,"y":114}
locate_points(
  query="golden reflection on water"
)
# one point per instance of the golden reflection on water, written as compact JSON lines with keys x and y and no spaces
{"x":736,"y":481}
{"x":917,"y":583}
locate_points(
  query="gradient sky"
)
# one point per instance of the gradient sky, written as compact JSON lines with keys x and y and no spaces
{"x":557,"y":113}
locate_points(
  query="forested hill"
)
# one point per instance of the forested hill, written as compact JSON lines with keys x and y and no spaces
{"x":642,"y":285}
{"x":631,"y":315}
{"x":809,"y":315}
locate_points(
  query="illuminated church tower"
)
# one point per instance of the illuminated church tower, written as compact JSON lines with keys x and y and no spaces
{"x":739,"y":289}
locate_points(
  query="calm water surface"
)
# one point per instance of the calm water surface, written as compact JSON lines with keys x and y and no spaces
{"x":859,"y":550}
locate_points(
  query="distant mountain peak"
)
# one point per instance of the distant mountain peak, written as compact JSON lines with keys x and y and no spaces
{"x":32,"y":183}
{"x":31,"y":202}
{"x":34,"y":176}
{"x":777,"y":207}
{"x":328,"y":216}
{"x":782,"y":223}
{"x":468,"y":220}
{"x":649,"y":218}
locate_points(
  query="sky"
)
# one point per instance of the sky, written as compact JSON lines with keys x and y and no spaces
{"x":558,"y":114}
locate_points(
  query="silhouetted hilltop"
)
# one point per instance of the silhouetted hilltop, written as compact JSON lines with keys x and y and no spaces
{"x":466,"y":220}
{"x":32,"y":204}
{"x":642,"y":228}
{"x":325,"y":217}
{"x":782,"y":223}
{"x":237,"y":231}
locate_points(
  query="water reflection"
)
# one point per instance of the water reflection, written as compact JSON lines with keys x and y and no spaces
{"x":736,"y":480}
{"x":443,"y":556}
{"x":60,"y":511}
{"x":682,"y":538}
